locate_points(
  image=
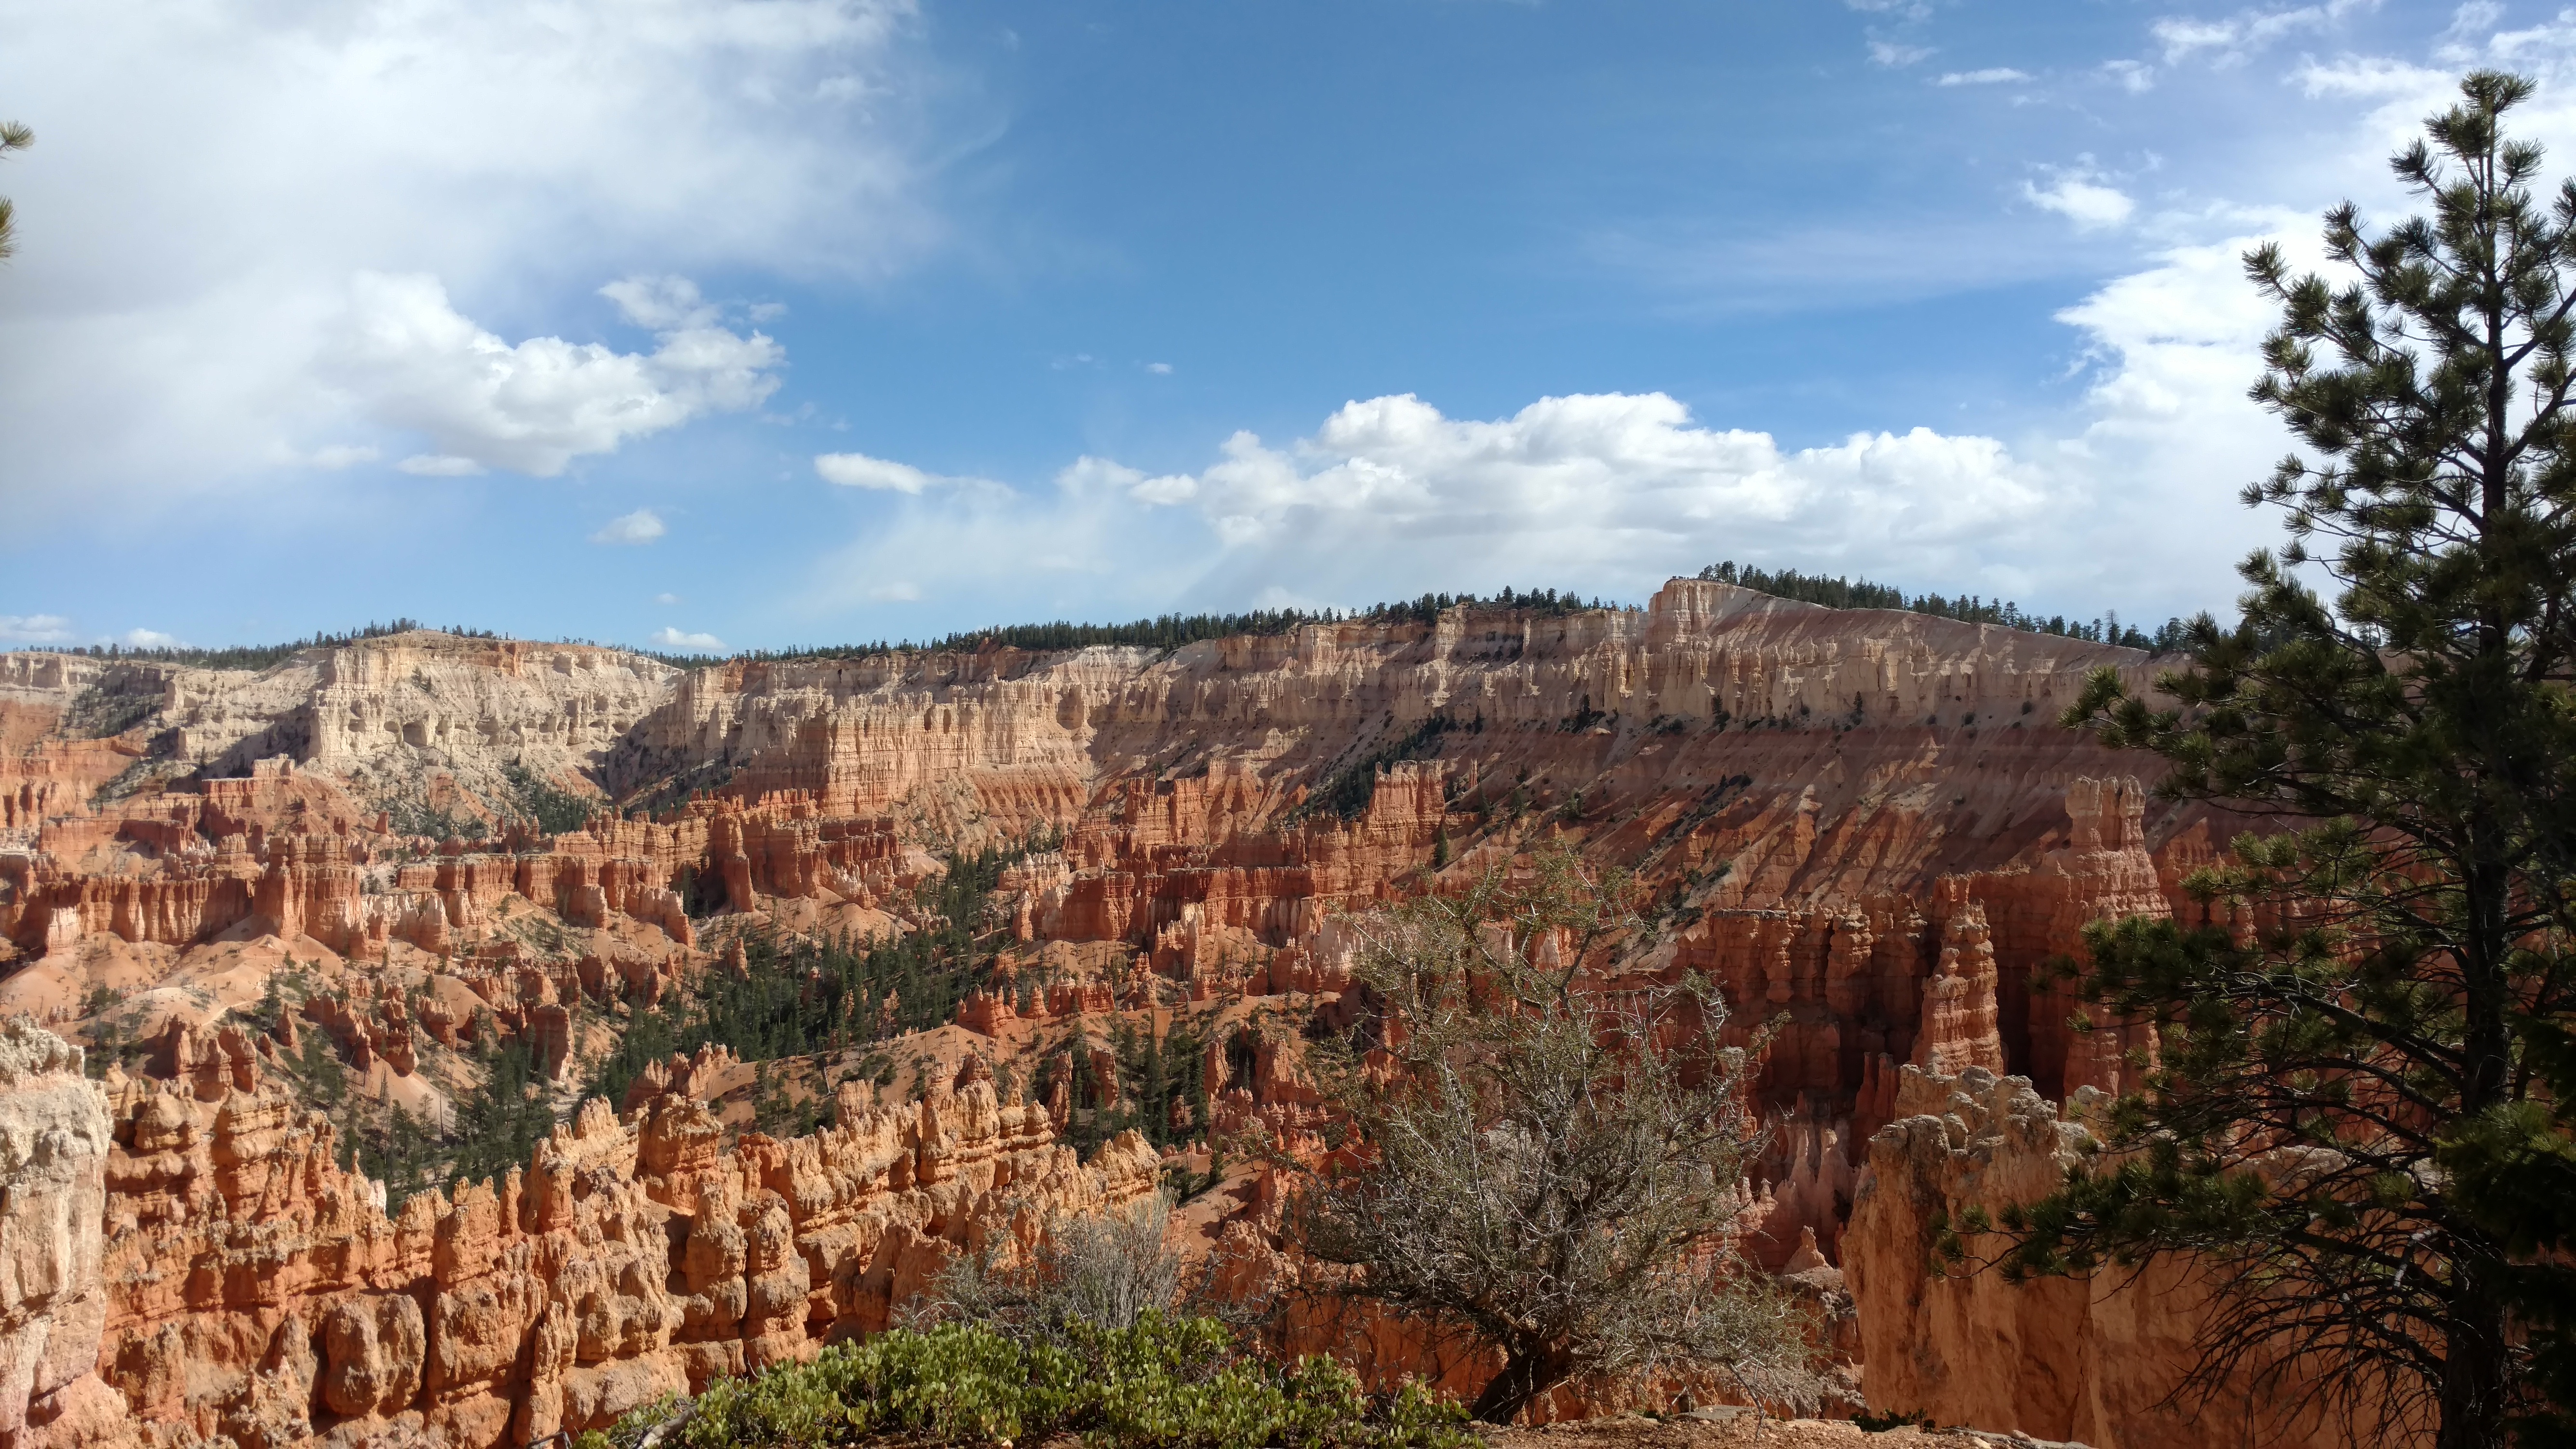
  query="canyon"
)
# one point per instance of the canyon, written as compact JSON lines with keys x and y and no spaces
{"x":1866,"y":826}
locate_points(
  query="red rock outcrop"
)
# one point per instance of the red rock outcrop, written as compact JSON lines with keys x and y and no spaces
{"x":2092,"y":1359}
{"x":1863,"y":825}
{"x":258,"y":1290}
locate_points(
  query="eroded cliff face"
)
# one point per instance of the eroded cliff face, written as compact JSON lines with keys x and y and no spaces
{"x":1864,"y":825}
{"x":2096,"y":1359}
{"x":54,"y":1299}
{"x":261,"y":1293}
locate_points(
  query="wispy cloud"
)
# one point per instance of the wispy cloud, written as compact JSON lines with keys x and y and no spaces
{"x":641,"y":526}
{"x":858,"y":470}
{"x":2234,"y":39}
{"x":1992,"y":76}
{"x":1896,"y":55}
{"x":35,"y":629}
{"x":670,"y":638}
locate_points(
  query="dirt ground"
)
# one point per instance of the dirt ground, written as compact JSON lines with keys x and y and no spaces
{"x":1637,"y":1432}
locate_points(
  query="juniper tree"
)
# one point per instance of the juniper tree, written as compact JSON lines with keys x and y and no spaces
{"x":2351,"y":1123}
{"x":1540,"y":1165}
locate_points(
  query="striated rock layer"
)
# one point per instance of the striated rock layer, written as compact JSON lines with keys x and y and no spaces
{"x":257,"y":1292}
{"x":1863,"y":825}
{"x":2094,"y":1359}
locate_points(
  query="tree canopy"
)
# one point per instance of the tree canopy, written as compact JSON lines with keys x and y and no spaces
{"x":2357,"y":1123}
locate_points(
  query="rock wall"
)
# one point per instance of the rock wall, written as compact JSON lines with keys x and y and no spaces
{"x":259,"y":1292}
{"x":54,"y":1300}
{"x":2090,"y":1359}
{"x":1864,"y":825}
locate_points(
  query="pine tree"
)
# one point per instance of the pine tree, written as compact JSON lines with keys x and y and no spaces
{"x":13,"y":137}
{"x":2351,"y":1125}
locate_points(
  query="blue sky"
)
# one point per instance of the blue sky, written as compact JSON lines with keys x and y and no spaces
{"x":776,"y":322}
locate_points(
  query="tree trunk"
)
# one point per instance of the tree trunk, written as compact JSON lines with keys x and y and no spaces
{"x":2475,"y":1366}
{"x":1527,"y":1373}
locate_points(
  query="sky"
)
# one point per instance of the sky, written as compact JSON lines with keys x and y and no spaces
{"x":705,"y":325}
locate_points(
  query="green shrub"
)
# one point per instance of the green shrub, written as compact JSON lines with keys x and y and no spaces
{"x":1166,"y":1383}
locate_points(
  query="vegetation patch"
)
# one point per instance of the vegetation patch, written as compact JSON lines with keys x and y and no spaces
{"x":1842,"y":593}
{"x":798,"y":996}
{"x":1163,"y":1383}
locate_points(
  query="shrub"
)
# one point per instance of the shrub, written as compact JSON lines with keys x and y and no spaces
{"x":1166,"y":1383}
{"x":1106,"y":1270}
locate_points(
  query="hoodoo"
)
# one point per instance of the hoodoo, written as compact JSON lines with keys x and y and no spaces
{"x":298,"y":915}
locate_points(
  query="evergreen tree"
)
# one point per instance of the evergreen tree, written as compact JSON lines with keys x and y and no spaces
{"x":2352,"y":1123}
{"x":13,"y":137}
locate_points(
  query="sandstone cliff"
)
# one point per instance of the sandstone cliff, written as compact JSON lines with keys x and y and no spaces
{"x":1863,"y":824}
{"x":2095,"y":1359}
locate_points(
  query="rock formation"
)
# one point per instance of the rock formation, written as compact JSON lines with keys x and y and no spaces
{"x":1863,"y":825}
{"x":2094,"y":1359}
{"x":54,"y":1301}
{"x":260,"y":1292}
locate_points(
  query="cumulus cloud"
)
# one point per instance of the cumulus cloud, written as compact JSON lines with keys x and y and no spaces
{"x":641,"y":526}
{"x":670,"y":638}
{"x":34,"y":629}
{"x":418,"y":364}
{"x":193,"y":296}
{"x":148,"y":639}
{"x":1390,"y":495}
{"x":1992,"y":76}
{"x":2081,"y":198}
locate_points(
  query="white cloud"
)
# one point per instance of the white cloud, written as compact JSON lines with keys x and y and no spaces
{"x":664,"y":304}
{"x":2234,"y":39}
{"x":1995,"y":75}
{"x":666,"y":598}
{"x":858,"y":470}
{"x":641,"y":526}
{"x":438,"y":465}
{"x":148,"y":639}
{"x":177,"y":305}
{"x":1089,"y":474}
{"x":1159,"y":369}
{"x":1896,"y":55}
{"x":2135,"y":76}
{"x":339,"y":456}
{"x":416,"y":363}
{"x":670,"y":638}
{"x":898,"y":592}
{"x":1390,"y":496}
{"x":34,"y":629}
{"x":2080,"y":197}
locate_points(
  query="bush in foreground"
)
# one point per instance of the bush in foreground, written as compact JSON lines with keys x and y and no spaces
{"x":1166,"y":1383}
